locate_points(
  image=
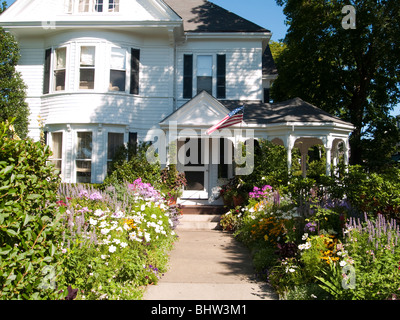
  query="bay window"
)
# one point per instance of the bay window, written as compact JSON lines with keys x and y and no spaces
{"x":87,"y":67}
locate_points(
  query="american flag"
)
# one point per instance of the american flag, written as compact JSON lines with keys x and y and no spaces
{"x":234,"y":117}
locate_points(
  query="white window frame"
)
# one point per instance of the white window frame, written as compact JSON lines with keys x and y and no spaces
{"x":75,"y":152}
{"x":78,"y":59}
{"x":50,"y":144}
{"x":126,"y":69}
{"x":54,"y":69}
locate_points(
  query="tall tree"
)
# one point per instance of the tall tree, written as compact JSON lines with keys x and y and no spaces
{"x":12,"y":87}
{"x":353,"y":73}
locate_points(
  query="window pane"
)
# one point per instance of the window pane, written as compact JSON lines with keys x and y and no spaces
{"x":117,"y":80}
{"x":195,"y":180}
{"x":204,"y":83}
{"x":88,"y":56}
{"x":86,"y":79}
{"x":204,"y":66}
{"x":113,"y":6}
{"x":84,"y":146}
{"x":61,"y":58}
{"x":115,"y":142}
{"x":99,"y":6}
{"x":56,"y":147}
{"x":118,"y":60}
{"x":83,"y":171}
{"x":84,"y":5}
{"x":59,"y":76}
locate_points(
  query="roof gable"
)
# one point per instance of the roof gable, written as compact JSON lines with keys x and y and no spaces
{"x":205,"y":16}
{"x":57,"y":11}
{"x":201,"y":111}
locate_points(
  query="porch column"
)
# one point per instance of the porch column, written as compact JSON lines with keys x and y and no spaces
{"x":289,"y":144}
{"x":328,"y":161}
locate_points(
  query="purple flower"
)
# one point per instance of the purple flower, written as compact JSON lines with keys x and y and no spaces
{"x":95,"y":196}
{"x":310,"y":227}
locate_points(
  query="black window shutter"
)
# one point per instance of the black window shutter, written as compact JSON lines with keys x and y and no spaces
{"x":221,"y":76}
{"x":187,"y":76}
{"x":47,"y":66}
{"x":132,"y":144}
{"x":135,"y":69}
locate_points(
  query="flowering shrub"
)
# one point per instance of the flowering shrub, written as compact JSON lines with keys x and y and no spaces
{"x":371,"y":249}
{"x":112,"y":248}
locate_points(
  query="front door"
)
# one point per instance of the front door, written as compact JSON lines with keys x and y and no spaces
{"x":193,"y":159}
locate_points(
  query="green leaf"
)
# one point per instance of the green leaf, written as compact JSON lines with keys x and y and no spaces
{"x":5,"y":251}
{"x":33,"y":196}
{"x":27,"y":219}
{"x":12,"y":232}
{"x":7,"y":170}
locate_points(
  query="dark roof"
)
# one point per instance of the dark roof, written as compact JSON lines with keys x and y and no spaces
{"x":268,"y":63}
{"x":294,"y":110}
{"x":205,"y":16}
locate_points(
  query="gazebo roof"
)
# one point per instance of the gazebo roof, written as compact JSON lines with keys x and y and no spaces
{"x":294,"y":110}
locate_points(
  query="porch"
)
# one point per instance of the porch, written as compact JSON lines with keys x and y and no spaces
{"x":210,"y":160}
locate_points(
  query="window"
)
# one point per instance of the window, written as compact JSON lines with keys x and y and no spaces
{"x":89,"y":6}
{"x":221,"y":76}
{"x":118,"y":69}
{"x":87,"y":67}
{"x":84,"y":158}
{"x":84,"y":5}
{"x":204,"y":73}
{"x":60,"y":68}
{"x":115,"y":142}
{"x":113,"y":5}
{"x":135,"y":71}
{"x":99,"y":6}
{"x":56,"y":147}
{"x":187,"y":76}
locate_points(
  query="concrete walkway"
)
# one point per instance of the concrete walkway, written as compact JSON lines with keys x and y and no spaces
{"x":209,"y":265}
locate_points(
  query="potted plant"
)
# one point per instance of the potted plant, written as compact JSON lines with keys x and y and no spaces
{"x":173,"y":183}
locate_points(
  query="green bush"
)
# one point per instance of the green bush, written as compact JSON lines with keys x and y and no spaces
{"x":28,"y":193}
{"x":137,"y":166}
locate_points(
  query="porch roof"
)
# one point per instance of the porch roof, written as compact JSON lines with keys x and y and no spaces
{"x":294,"y":110}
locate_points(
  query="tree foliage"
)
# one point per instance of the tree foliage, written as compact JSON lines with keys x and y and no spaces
{"x":351,"y":73}
{"x":12,"y":87}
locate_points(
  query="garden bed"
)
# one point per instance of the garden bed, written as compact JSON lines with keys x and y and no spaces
{"x":318,"y":248}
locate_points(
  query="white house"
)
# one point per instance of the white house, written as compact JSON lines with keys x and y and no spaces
{"x":101,"y":73}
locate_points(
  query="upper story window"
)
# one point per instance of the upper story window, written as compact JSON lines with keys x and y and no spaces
{"x":87,"y":67}
{"x":55,"y":67}
{"x":207,"y":76}
{"x":118,"y":70}
{"x":204,"y":74}
{"x":82,"y":6}
{"x":60,"y":69}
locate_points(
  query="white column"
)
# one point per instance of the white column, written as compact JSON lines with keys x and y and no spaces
{"x":328,"y":161}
